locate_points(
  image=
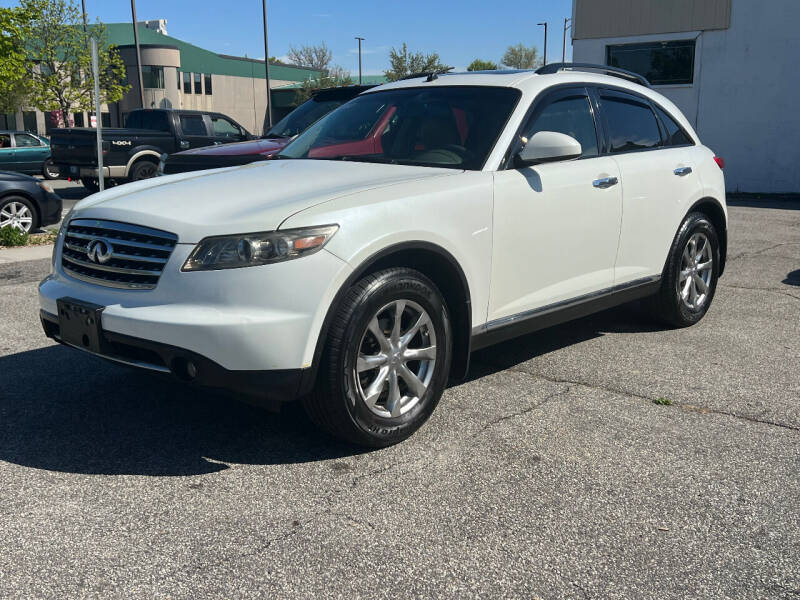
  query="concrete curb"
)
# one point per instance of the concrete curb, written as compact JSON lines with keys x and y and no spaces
{"x":12,"y":255}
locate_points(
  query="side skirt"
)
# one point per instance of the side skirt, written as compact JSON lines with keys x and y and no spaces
{"x":513,"y":326}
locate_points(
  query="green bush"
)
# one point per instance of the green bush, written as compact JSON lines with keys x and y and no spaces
{"x":11,"y":236}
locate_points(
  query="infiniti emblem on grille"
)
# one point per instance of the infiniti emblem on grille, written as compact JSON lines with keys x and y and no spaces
{"x":99,"y":251}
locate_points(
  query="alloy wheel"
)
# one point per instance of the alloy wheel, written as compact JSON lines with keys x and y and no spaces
{"x":17,"y":215}
{"x":697,"y":267}
{"x":396,"y":359}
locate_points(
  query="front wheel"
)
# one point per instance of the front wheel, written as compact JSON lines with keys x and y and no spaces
{"x":144,"y":169}
{"x":386,"y":360}
{"x":690,"y":275}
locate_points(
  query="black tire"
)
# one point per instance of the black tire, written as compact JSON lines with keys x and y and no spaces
{"x":143,"y":169}
{"x":336,"y":404}
{"x":49,"y":170}
{"x":92,"y":184}
{"x":7,"y":201}
{"x":667,"y":305}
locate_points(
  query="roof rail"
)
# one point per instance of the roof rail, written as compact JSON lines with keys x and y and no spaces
{"x":551,"y":68}
{"x":431,"y":75}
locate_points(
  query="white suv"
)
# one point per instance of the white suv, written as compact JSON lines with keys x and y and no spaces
{"x":424,"y":219}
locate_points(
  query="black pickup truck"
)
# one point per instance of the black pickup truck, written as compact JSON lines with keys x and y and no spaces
{"x":133,"y":152}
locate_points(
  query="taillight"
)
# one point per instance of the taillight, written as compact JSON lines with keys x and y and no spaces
{"x":720,"y":162}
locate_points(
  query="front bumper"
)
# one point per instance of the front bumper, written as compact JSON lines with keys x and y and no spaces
{"x":264,"y":388}
{"x":76,"y":172}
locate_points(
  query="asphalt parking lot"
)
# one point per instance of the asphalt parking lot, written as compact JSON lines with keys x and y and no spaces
{"x":551,"y":473}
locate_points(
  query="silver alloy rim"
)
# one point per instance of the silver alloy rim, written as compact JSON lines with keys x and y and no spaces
{"x":396,"y":359}
{"x":17,"y":215}
{"x":697,"y":265}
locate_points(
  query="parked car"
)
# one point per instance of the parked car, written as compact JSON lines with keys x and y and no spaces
{"x":424,"y":219}
{"x":26,"y":152}
{"x":26,"y":203}
{"x":293,"y":124}
{"x":133,"y":153}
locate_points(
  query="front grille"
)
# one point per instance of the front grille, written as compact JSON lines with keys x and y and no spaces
{"x":116,"y":254}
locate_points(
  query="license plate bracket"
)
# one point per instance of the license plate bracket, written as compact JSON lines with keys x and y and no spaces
{"x":80,"y":324}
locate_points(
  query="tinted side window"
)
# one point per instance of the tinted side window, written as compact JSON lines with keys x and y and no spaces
{"x":224,"y":128}
{"x":193,"y":125}
{"x":631,"y":123}
{"x":675,"y":135}
{"x":571,"y":116}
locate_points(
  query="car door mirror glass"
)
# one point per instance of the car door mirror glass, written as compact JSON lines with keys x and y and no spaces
{"x":548,"y":146}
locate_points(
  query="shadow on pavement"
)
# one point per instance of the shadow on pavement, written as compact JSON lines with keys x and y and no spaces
{"x":62,"y":410}
{"x":73,"y":193}
{"x":628,"y":318}
{"x":793,"y":278}
{"x":781,"y":202}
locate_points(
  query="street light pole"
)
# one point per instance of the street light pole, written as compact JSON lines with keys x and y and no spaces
{"x":360,"y":39}
{"x":266,"y":63}
{"x":545,"y":41}
{"x":138,"y":54}
{"x":564,"y":48}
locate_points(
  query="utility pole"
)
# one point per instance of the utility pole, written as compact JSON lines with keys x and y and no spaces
{"x":266,"y":63}
{"x":564,"y":48}
{"x":83,"y":12}
{"x":96,"y":73}
{"x":545,"y":41}
{"x":360,"y":39}
{"x":138,"y":55}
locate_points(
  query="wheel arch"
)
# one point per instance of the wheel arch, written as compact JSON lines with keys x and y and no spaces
{"x":712,"y":208}
{"x":434,"y":262}
{"x":142,"y":154}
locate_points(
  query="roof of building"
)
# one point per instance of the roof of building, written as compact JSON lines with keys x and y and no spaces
{"x":199,"y":60}
{"x":365,"y":80}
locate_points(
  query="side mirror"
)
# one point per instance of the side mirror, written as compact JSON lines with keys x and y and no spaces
{"x":548,"y":146}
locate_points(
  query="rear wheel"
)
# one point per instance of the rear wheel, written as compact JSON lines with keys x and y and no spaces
{"x":49,"y":170}
{"x":144,"y":169}
{"x":386,"y":361}
{"x":92,"y":184}
{"x":19,"y":213}
{"x":690,"y":276}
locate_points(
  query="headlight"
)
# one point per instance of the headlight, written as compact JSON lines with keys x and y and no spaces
{"x":45,"y":186}
{"x":252,"y":249}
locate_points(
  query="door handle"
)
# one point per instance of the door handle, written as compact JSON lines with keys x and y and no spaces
{"x":605,"y":182}
{"x":681,"y":171}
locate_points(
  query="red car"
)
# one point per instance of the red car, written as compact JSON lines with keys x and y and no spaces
{"x":293,"y":124}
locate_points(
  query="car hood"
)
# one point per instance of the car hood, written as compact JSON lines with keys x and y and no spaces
{"x":250,"y":198}
{"x":262,"y":146}
{"x":13,"y":176}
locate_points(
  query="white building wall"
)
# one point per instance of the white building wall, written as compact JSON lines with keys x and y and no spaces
{"x":744,"y":95}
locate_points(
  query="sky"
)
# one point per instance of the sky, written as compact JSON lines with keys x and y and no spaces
{"x":459,"y":31}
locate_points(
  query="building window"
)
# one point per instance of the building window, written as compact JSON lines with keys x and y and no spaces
{"x":179,"y":79}
{"x":198,"y":83}
{"x":29,"y":121}
{"x":8,"y":121}
{"x":187,"y":83}
{"x":78,"y":119}
{"x":662,"y":63}
{"x":207,"y":78}
{"x":153,"y":77}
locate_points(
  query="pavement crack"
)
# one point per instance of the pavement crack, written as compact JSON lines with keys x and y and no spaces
{"x":582,"y":589}
{"x":520,"y":413}
{"x":681,"y":405}
{"x":760,"y":252}
{"x":761,"y":289}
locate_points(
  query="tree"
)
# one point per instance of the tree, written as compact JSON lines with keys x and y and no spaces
{"x":482,"y":65}
{"x":521,"y":57}
{"x":405,"y":63}
{"x":336,"y":76}
{"x":59,"y":66}
{"x":14,"y":30}
{"x":315,"y":57}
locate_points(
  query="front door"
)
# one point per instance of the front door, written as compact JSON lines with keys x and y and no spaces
{"x":556,"y":225}
{"x":194,"y":131}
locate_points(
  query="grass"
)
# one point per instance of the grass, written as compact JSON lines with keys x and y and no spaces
{"x":11,"y":237}
{"x":661,"y":401}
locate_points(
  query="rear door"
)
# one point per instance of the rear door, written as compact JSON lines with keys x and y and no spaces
{"x":7,"y":153}
{"x":194,"y":130}
{"x":31,"y":152}
{"x":657,"y":176}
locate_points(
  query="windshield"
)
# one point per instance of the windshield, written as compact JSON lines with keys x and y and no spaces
{"x":453,"y":127}
{"x":300,"y":118}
